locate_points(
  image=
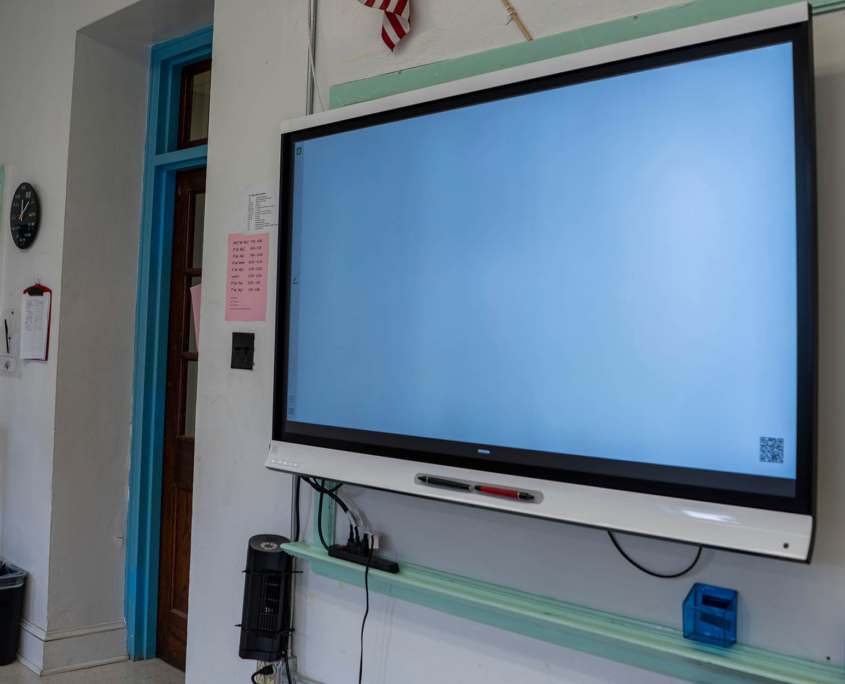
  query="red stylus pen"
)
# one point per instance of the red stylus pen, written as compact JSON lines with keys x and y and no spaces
{"x":507,"y":493}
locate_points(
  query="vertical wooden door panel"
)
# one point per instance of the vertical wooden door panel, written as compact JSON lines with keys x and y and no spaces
{"x":181,"y":551}
{"x":179,"y":421}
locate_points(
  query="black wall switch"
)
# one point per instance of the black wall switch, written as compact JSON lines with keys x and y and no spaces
{"x":243,"y":350}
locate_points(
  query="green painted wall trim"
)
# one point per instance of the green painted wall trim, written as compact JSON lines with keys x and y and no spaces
{"x":586,"y":38}
{"x":633,"y":642}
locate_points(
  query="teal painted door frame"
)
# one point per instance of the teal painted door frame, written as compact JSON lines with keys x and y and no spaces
{"x":162,"y":162}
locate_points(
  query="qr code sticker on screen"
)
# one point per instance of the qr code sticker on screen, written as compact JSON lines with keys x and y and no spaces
{"x":771,"y":449}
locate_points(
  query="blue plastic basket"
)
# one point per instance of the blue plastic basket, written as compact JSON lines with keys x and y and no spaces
{"x":710,"y":615}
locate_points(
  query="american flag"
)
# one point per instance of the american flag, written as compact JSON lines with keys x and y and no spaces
{"x":397,"y":19}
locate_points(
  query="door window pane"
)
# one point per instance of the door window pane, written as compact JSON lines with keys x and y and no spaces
{"x":192,"y":328}
{"x":190,"y":408}
{"x":200,"y":105}
{"x":199,"y":229}
{"x":194,"y":105}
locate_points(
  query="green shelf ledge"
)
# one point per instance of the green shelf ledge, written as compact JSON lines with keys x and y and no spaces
{"x":633,"y":642}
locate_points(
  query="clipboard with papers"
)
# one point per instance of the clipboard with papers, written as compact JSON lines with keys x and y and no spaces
{"x":36,"y":311}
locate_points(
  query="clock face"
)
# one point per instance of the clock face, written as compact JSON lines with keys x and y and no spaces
{"x":24,"y":216}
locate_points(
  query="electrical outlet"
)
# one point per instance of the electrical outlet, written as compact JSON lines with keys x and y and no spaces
{"x":260,"y":679}
{"x":278,"y":675}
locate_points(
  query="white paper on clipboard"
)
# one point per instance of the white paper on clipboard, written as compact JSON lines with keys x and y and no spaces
{"x":35,"y":326}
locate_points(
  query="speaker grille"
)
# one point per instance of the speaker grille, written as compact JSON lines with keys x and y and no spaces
{"x":271,"y":598}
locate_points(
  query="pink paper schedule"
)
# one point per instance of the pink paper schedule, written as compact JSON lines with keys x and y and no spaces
{"x":246,"y":287}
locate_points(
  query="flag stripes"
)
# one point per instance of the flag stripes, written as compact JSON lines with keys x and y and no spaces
{"x":396,"y":23}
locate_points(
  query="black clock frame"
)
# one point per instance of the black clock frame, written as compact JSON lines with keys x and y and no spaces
{"x":24,"y":219}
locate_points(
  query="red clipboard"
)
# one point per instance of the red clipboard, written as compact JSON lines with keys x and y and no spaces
{"x":32,"y":291}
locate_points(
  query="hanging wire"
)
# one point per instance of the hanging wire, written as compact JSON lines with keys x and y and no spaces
{"x":651,"y":572}
{"x":312,"y":55}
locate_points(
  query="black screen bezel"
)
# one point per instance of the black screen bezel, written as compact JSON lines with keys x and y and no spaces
{"x":463,"y":455}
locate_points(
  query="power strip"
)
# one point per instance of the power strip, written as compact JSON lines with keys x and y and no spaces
{"x":375,"y":562}
{"x":278,"y":676}
{"x":264,"y":679}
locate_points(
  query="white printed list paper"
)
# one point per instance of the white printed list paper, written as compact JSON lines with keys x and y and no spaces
{"x":35,"y":326}
{"x":262,"y":208}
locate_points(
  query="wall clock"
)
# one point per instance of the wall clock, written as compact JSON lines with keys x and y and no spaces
{"x":24,"y":216}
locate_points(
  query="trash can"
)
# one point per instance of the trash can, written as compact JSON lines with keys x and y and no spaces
{"x":11,"y":599}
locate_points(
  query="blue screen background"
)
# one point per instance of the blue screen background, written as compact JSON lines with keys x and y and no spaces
{"x":606,"y":269}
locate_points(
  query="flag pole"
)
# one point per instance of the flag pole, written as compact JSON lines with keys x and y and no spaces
{"x":518,"y":21}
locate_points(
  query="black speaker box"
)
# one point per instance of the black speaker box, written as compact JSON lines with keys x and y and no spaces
{"x":265,"y":623}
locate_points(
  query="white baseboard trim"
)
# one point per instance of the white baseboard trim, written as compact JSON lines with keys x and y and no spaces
{"x":84,"y":666}
{"x":33,"y":629}
{"x":47,"y":652}
{"x":31,"y":647}
{"x":30,"y":666}
{"x":57,"y":634}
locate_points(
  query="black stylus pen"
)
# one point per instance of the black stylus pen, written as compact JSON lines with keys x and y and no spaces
{"x":6,"y":325}
{"x":443,"y":482}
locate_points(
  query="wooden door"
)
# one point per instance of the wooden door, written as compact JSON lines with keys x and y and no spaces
{"x":180,"y":420}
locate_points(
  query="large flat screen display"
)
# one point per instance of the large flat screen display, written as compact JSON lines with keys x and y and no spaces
{"x":603,"y":277}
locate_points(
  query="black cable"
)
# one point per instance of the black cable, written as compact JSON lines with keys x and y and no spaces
{"x":324,"y":491}
{"x":320,"y":521}
{"x":267,"y":669}
{"x":295,"y":535}
{"x":321,"y":487}
{"x":295,"y":522}
{"x":650,"y":572}
{"x":328,"y":492}
{"x":366,"y":613}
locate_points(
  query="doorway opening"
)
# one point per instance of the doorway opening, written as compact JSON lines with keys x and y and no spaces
{"x":166,"y":350}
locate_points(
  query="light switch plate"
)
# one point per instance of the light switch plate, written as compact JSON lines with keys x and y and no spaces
{"x":243,"y":350}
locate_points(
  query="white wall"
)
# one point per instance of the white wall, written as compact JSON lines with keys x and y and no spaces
{"x":75,"y":129}
{"x":38,"y":39}
{"x":258,"y":81}
{"x":95,"y":350}
{"x":349,"y":45}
